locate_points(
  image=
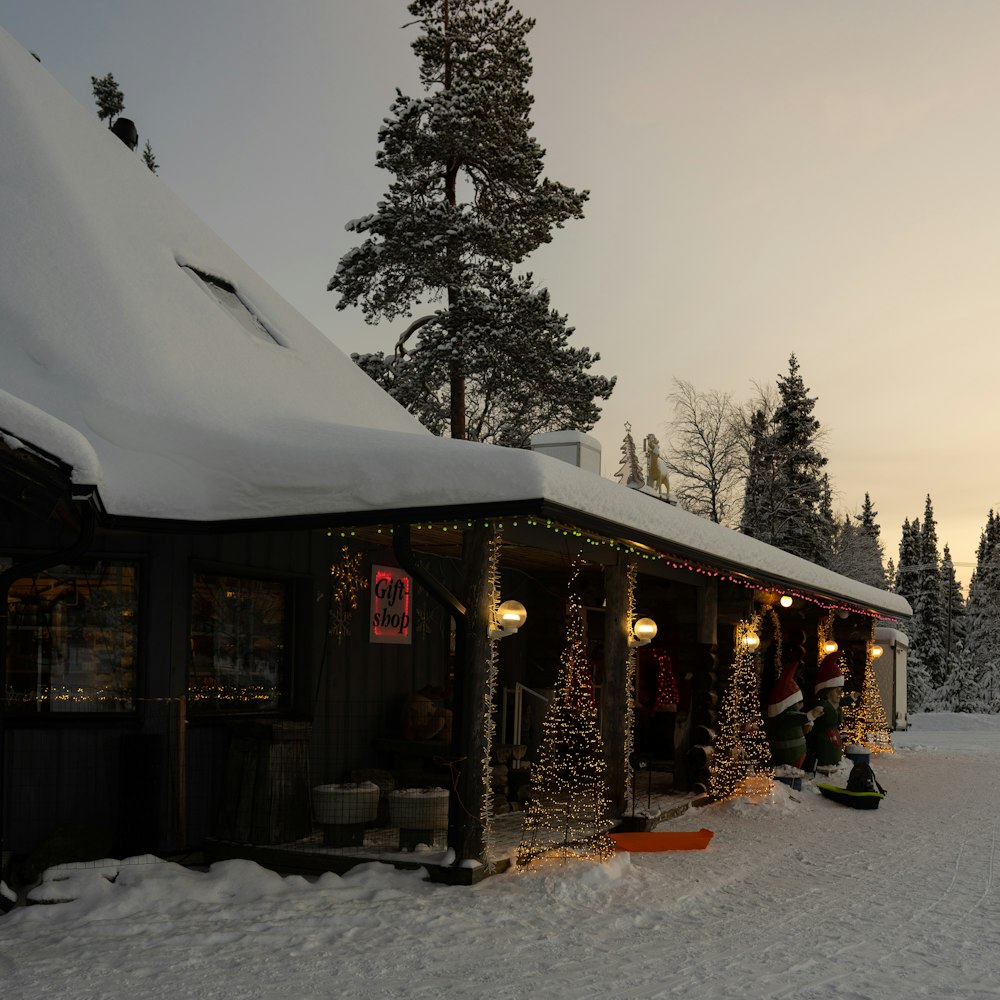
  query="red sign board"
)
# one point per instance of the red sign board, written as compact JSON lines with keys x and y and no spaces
{"x":391,"y":612}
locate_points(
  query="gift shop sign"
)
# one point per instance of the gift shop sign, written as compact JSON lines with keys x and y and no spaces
{"x":391,"y":614}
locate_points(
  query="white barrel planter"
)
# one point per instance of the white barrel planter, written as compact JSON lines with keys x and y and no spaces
{"x":418,"y":812}
{"x":344,"y":810}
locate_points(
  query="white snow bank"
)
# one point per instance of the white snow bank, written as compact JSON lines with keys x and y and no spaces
{"x":795,"y":897}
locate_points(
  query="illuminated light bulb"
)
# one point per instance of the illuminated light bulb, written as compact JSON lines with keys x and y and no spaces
{"x":877,"y":651}
{"x":512,"y":614}
{"x":751,"y":640}
{"x":830,"y":646}
{"x":786,"y":600}
{"x":643,"y":631}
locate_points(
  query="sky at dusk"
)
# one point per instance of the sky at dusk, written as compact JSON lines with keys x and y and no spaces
{"x":766,"y":178}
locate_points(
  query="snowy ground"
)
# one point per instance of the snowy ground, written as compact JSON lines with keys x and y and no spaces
{"x":796,"y":897}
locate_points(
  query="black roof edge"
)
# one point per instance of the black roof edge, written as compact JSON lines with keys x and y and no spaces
{"x":537,"y":506}
{"x":44,"y":473}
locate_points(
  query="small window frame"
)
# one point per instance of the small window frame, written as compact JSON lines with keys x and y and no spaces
{"x":253,"y":653}
{"x":74,"y":636}
{"x":233,"y":303}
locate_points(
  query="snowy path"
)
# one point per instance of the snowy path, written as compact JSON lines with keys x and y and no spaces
{"x":794,"y":899}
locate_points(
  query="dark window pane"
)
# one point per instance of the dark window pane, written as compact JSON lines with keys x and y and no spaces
{"x":238,"y":629}
{"x":71,"y":640}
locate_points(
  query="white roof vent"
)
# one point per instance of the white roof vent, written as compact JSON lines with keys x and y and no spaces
{"x":575,"y":447}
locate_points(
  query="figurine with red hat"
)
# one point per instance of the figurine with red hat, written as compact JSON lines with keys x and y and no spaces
{"x":824,"y":741}
{"x":787,"y":723}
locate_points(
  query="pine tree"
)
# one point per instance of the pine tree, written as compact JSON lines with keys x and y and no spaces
{"x":506,"y":402}
{"x":467,"y":204}
{"x":857,"y":551}
{"x":982,"y":622}
{"x":149,"y":159}
{"x":787,"y":501}
{"x":928,"y":604}
{"x":890,"y":575}
{"x":959,"y":693}
{"x":759,"y":492}
{"x":918,"y":684}
{"x":108,"y":97}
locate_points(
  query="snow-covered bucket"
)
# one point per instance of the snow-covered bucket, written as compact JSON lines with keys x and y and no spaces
{"x":858,"y":754}
{"x":418,"y":812}
{"x":343,"y":810}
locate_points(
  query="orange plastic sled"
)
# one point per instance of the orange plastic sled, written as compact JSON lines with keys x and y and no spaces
{"x":657,"y":840}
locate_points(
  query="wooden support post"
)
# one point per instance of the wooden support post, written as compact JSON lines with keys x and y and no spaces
{"x":472,"y":677}
{"x":615,"y":692}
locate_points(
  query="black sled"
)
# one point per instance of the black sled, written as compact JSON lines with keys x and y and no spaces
{"x":862,"y":792}
{"x":856,"y":800}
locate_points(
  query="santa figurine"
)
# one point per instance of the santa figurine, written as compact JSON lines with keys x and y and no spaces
{"x":825,"y":744}
{"x":787,"y":723}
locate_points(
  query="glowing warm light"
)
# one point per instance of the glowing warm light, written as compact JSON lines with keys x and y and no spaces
{"x":830,"y":646}
{"x":877,"y":651}
{"x":568,"y":813}
{"x":643,"y":631}
{"x":865,"y":722}
{"x":786,"y":600}
{"x":511,"y":614}
{"x":741,"y":764}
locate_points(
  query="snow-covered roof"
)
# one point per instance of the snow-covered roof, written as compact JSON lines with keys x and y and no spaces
{"x":123,"y":363}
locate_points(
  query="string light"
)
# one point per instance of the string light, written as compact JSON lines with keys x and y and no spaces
{"x":666,"y":681}
{"x":489,"y":716}
{"x":347,"y":584}
{"x":631,"y":577}
{"x":824,"y":636}
{"x":866,"y":722}
{"x":649,"y":554}
{"x":568,"y":812}
{"x":741,"y":764}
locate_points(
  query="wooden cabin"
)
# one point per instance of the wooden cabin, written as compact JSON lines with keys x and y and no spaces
{"x":233,"y":570}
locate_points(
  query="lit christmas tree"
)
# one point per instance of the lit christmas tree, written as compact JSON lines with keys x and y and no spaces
{"x":568,"y":813}
{"x":865,"y":722}
{"x":742,"y":760}
{"x":666,"y":682}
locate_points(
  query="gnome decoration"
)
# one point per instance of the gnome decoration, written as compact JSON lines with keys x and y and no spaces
{"x":824,"y":741}
{"x":787,"y":723}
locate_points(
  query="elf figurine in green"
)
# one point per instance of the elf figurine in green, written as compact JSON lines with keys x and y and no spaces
{"x":825,"y":744}
{"x":787,"y":723}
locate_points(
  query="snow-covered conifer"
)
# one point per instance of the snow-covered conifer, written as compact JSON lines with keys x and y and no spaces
{"x":787,"y":499}
{"x":467,"y":204}
{"x":982,"y":620}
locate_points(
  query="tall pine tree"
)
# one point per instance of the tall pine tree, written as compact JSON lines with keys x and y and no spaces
{"x":467,"y":204}
{"x":959,"y":692}
{"x":857,"y":551}
{"x":928,"y":606}
{"x":787,"y":501}
{"x":982,"y":622}
{"x":918,"y":685}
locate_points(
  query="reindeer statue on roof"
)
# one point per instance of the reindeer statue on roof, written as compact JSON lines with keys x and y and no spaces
{"x":656,"y":470}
